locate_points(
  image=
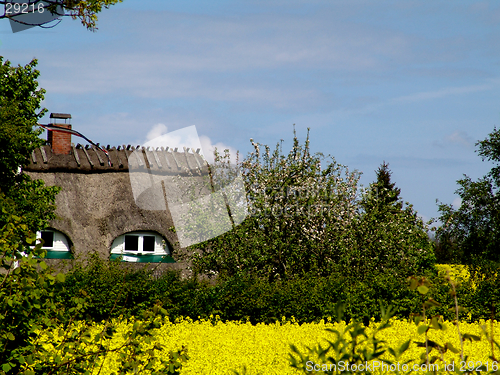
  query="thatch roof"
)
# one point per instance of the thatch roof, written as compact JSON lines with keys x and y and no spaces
{"x":89,"y":159}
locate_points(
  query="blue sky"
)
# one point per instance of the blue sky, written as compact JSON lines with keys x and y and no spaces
{"x":412,"y":83}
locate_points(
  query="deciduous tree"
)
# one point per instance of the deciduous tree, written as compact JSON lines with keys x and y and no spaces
{"x":308,"y":218}
{"x":20,"y":110}
{"x":471,"y":233}
{"x":28,"y":305}
{"x":298,"y":214}
{"x":85,"y":10}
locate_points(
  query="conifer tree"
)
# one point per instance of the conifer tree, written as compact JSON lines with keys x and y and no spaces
{"x":387,"y":191}
{"x":387,"y":234}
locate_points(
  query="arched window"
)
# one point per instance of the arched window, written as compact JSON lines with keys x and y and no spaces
{"x":141,"y":247}
{"x":56,"y":243}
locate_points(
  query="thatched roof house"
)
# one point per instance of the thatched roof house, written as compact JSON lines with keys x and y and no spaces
{"x":96,"y":209}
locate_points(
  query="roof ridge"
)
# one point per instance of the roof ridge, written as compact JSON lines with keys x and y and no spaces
{"x":88,"y":159}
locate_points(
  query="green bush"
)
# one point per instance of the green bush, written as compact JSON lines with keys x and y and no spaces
{"x":484,"y":302}
{"x":111,"y":290}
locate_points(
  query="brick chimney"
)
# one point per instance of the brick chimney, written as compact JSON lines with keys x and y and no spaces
{"x":60,"y":142}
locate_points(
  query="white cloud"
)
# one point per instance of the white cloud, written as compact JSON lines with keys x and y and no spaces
{"x":156,"y":131}
{"x":209,"y":148}
{"x":461,"y":138}
{"x":457,"y":139}
{"x":186,"y":137}
{"x":457,"y":202}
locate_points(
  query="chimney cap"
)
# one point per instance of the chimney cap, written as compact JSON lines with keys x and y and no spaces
{"x":60,"y":115}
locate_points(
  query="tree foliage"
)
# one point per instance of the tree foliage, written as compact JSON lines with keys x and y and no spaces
{"x":306,"y":217}
{"x":30,"y":307}
{"x":385,"y":190}
{"x":295,"y":206}
{"x":471,"y":233}
{"x":28,"y":303}
{"x":85,"y":10}
{"x":20,"y":110}
{"x":388,"y":235}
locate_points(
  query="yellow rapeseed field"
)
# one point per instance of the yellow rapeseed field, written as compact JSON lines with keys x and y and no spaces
{"x":217,"y":347}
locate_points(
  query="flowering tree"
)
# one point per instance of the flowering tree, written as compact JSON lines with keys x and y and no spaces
{"x":298,"y":213}
{"x":304,"y":218}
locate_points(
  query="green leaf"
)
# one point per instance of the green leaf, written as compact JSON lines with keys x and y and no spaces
{"x":470,"y":337}
{"x":413,"y":283}
{"x":433,"y":344}
{"x":422,"y":289}
{"x":433,"y":359}
{"x":404,"y":347}
{"x":431,"y":303}
{"x":435,"y":323}
{"x":422,"y":329}
{"x":460,"y":309}
{"x":420,"y":344}
{"x":451,"y":348}
{"x":6,"y":367}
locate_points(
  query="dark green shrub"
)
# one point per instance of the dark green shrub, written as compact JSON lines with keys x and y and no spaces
{"x":109,"y":289}
{"x":112,"y":290}
{"x":189,"y":297}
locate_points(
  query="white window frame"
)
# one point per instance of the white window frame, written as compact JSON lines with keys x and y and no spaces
{"x":60,"y":244}
{"x":60,"y":241}
{"x":118,"y":245}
